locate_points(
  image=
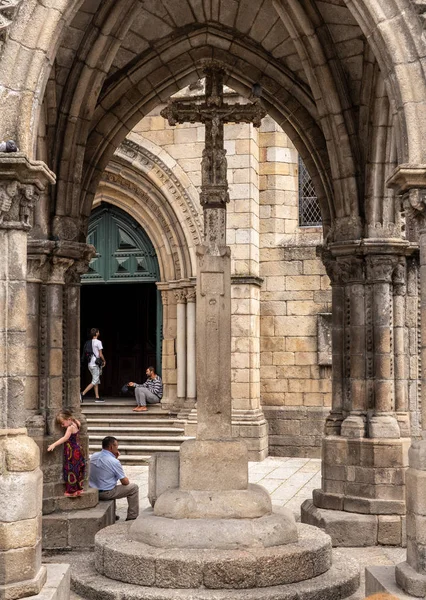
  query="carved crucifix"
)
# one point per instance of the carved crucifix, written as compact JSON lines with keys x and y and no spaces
{"x":213,"y":112}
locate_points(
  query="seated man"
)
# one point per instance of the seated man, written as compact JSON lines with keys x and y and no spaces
{"x":106,"y":470}
{"x":151,"y":391}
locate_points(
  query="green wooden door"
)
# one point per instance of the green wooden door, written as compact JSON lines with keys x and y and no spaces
{"x":124,"y":255}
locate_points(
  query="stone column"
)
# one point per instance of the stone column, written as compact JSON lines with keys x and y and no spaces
{"x":168,"y":353}
{"x":362,"y":498}
{"x":191,"y":364}
{"x":334,"y":420}
{"x":21,"y":571}
{"x":383,"y":423}
{"x":180,"y":296}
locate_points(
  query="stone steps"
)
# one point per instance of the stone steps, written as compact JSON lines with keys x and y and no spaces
{"x":140,"y":434}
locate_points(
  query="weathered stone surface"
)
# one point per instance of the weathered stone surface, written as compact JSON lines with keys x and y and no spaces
{"x":19,"y":534}
{"x":22,"y":453}
{"x":274,"y":529}
{"x":213,"y":465}
{"x":381,"y":579}
{"x":345,"y":529}
{"x":341,"y":580}
{"x":163,"y":474}
{"x":76,"y":529}
{"x":249,"y":503}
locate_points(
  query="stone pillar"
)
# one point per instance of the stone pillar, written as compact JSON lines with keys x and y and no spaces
{"x":362,"y":498}
{"x":21,"y":571}
{"x":168,"y":350}
{"x":191,"y":364}
{"x":180,"y":296}
{"x":53,"y":343}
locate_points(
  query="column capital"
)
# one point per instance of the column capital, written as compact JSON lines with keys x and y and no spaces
{"x":191,"y":294}
{"x":21,"y":182}
{"x":380,"y":268}
{"x":180,"y":296}
{"x":57,"y":262}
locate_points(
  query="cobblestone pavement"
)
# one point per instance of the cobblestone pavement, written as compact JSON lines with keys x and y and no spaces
{"x":290,"y":481}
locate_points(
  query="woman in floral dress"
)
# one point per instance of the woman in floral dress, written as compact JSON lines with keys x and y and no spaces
{"x":74,"y":461}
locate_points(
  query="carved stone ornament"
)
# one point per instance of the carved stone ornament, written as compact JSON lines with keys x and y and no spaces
{"x":21,"y":182}
{"x":180,"y":296}
{"x":8,"y":10}
{"x":380,"y":268}
{"x":352,"y":269}
{"x":191,"y":295}
{"x":332,"y":267}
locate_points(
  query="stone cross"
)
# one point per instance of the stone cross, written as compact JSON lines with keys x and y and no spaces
{"x":214,"y":113}
{"x":213,"y":308}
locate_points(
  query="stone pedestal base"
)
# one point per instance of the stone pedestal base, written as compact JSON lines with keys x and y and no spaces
{"x":274,"y":529}
{"x":251,"y":503}
{"x":76,"y":529}
{"x":248,"y":576}
{"x":380,"y":579}
{"x":348,"y":529}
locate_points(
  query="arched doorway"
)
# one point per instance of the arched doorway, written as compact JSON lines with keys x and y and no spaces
{"x":119,"y":296}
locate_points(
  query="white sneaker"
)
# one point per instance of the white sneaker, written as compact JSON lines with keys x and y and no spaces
{"x":99,"y":400}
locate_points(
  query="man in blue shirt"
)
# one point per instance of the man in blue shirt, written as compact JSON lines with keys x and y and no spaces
{"x":106,"y":470}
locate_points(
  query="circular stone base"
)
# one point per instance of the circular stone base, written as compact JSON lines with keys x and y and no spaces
{"x":275,"y":529}
{"x":340,"y":581}
{"x":122,"y":559}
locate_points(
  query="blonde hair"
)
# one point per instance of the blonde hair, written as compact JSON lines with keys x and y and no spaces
{"x":64,"y":415}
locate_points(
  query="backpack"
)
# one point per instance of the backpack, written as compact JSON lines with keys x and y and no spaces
{"x":87,"y":352}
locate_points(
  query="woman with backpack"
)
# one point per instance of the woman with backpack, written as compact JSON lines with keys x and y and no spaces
{"x":92,"y":353}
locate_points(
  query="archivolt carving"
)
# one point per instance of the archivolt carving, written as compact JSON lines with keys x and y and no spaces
{"x":136,"y":152}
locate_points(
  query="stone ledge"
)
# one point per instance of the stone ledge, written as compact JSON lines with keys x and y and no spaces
{"x":348,"y":529}
{"x":340,"y":581}
{"x":382,"y":579}
{"x":76,"y":530}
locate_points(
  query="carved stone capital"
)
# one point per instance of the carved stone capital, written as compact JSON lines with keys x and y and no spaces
{"x":57,"y":262}
{"x":334,"y":270}
{"x":399,"y":277}
{"x":21,"y":182}
{"x":380,"y":268}
{"x":352,"y":269}
{"x":191,"y":294}
{"x":164,"y":297}
{"x":180,"y":296}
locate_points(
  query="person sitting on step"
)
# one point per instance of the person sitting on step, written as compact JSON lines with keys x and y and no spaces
{"x":106,"y":470}
{"x":149,"y":392}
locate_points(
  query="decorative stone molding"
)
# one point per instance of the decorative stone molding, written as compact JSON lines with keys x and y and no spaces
{"x":145,"y":158}
{"x":246,"y":280}
{"x":21,"y":182}
{"x":8,"y":10}
{"x":345,"y":228}
{"x":380,"y":268}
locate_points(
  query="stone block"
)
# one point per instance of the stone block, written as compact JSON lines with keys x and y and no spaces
{"x":19,"y":534}
{"x":390,"y":530}
{"x":345,"y":529}
{"x":22,"y":453}
{"x":163,"y":474}
{"x":416,"y":491}
{"x":20,"y":564}
{"x":27,"y":486}
{"x":213,"y":465}
{"x":412,"y":582}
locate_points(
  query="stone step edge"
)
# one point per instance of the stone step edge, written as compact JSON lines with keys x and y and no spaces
{"x":340,"y":581}
{"x":146,"y":430}
{"x":150,"y":438}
